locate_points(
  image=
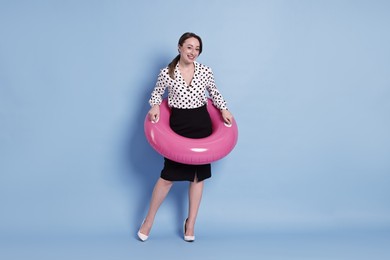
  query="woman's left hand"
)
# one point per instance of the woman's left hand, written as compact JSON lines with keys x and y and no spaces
{"x":227,"y":116}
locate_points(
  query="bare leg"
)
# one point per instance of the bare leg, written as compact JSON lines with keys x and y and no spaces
{"x":160,"y":191}
{"x":195,"y":196}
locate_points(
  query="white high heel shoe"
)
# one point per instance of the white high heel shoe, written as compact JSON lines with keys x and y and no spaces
{"x":187,"y":238}
{"x":141,"y":236}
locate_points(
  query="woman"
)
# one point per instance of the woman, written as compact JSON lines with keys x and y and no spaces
{"x":187,"y":82}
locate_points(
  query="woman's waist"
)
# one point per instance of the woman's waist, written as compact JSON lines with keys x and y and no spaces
{"x":187,"y":103}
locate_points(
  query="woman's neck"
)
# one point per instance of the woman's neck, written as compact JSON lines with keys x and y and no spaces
{"x":186,"y":66}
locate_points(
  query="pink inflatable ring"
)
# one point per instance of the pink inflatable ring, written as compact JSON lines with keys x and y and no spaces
{"x":187,"y":150}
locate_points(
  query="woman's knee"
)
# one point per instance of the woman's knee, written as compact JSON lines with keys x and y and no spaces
{"x":166,"y":182}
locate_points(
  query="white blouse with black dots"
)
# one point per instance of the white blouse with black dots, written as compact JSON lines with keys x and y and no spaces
{"x":180,"y":95}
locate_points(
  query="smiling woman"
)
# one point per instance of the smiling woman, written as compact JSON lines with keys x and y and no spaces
{"x":186,"y":129}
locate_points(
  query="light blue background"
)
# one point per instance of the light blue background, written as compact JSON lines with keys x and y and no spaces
{"x":307,"y":81}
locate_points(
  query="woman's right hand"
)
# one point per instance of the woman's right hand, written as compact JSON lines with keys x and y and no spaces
{"x":154,"y":113}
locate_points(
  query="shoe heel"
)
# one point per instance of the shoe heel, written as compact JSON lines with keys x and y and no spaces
{"x":141,"y":236}
{"x":187,"y":238}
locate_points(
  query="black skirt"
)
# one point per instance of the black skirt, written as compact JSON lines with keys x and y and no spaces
{"x":191,"y":123}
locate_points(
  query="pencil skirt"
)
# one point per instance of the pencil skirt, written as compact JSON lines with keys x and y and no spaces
{"x":192,"y":123}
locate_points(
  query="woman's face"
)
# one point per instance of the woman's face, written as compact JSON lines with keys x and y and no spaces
{"x":190,"y":50}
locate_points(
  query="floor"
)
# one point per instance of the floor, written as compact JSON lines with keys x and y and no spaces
{"x":352,"y":244}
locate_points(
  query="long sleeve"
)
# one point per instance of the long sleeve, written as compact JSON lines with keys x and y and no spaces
{"x":159,"y":89}
{"x":214,"y":93}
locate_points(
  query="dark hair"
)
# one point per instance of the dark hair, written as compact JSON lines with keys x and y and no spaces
{"x":183,"y":38}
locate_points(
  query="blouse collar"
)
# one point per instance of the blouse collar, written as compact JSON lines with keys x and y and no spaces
{"x":177,"y":67}
{"x":180,"y":78}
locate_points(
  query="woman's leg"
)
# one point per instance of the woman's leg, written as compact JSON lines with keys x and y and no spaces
{"x":160,"y":191}
{"x":195,"y":196}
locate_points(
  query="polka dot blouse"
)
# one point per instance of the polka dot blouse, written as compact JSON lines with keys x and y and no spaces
{"x":180,"y":95}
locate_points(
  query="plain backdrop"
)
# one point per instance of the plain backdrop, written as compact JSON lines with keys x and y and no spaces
{"x":307,"y":81}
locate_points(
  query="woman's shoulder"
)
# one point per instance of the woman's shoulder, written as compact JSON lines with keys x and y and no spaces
{"x":203,"y":67}
{"x":164,"y":72}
